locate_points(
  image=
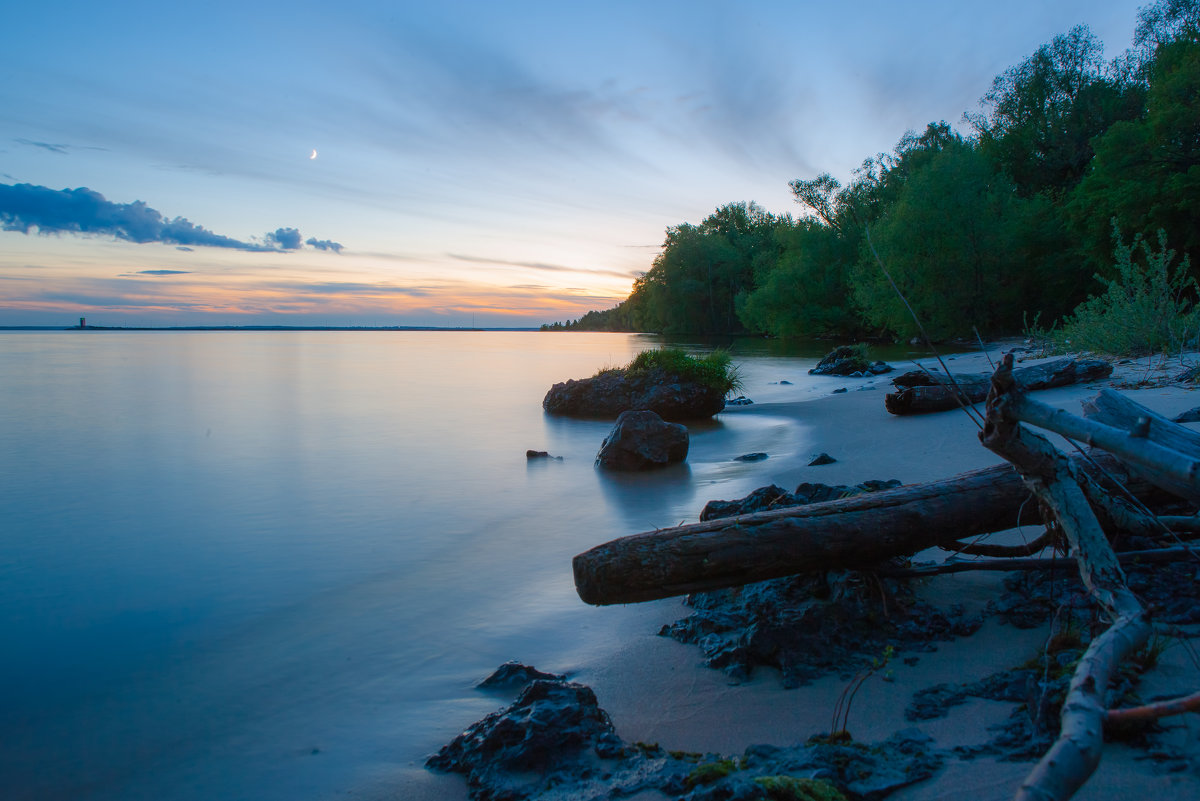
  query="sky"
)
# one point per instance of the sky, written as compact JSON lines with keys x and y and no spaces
{"x":378,"y":163}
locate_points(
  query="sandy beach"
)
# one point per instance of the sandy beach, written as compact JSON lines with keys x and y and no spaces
{"x":657,"y":691}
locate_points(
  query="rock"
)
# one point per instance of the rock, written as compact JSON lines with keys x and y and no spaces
{"x":840,"y":390}
{"x":642,"y":440}
{"x":531,"y":454}
{"x":785,"y":382}
{"x":612,"y":392}
{"x":555,"y":743}
{"x":775,"y":497}
{"x":760,"y":500}
{"x":552,"y":727}
{"x":848,"y":361}
{"x":740,"y":400}
{"x":1190,"y":416}
{"x":514,"y":676}
{"x":820,"y":459}
{"x":750,"y":457}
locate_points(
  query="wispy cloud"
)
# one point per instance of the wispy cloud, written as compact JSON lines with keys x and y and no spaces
{"x":535,"y":265}
{"x":324,"y":244}
{"x":162,"y":272}
{"x":53,"y":148}
{"x":27,"y":207}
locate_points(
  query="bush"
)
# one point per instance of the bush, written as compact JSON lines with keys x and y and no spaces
{"x":1144,"y":309}
{"x":713,"y":369}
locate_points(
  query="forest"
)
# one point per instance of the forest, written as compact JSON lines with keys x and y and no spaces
{"x":1072,"y":159}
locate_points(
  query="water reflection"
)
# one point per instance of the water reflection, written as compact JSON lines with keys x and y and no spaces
{"x":641,"y":497}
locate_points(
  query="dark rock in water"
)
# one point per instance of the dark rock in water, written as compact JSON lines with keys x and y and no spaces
{"x":614,"y":391}
{"x":556,"y":744}
{"x":740,"y":400}
{"x":785,"y":382}
{"x":514,"y":676}
{"x":750,"y":457}
{"x":531,"y":454}
{"x":847,"y":361}
{"x":1190,"y":416}
{"x":820,"y":459}
{"x":840,"y":390}
{"x":641,"y":440}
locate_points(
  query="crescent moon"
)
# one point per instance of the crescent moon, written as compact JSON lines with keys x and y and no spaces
{"x":314,"y":155}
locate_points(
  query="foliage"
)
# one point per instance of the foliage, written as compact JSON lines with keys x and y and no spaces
{"x":709,"y":772}
{"x":978,"y":231}
{"x":1144,"y":309}
{"x":791,"y":788}
{"x":1146,"y":172}
{"x":841,"y":710}
{"x":714,"y":369}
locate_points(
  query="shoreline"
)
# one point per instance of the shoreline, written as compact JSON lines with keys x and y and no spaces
{"x":657,"y":691}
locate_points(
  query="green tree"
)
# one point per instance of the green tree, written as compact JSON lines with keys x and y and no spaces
{"x":1146,"y":173}
{"x":804,"y":292}
{"x":1045,"y":111}
{"x":961,"y":246}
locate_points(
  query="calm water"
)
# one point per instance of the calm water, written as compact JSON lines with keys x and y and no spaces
{"x":271,"y":565}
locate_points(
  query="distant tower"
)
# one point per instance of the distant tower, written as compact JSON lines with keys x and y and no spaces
{"x":83,"y":322}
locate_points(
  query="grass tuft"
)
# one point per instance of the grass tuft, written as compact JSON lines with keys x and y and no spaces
{"x":714,"y":369}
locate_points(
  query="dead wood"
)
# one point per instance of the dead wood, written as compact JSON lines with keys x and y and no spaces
{"x":855,"y":532}
{"x":1074,"y":756}
{"x":921,"y":392}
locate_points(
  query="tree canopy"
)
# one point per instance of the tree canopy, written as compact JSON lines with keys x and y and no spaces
{"x":1007,"y":222}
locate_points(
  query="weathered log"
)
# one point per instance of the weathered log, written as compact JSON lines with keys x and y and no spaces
{"x":851,"y":532}
{"x":921,"y":392}
{"x":1074,"y":756}
{"x":1174,"y":467}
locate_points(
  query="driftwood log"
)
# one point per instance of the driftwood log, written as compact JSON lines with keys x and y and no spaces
{"x":853,"y":532}
{"x":1075,"y":755}
{"x":920,"y":392}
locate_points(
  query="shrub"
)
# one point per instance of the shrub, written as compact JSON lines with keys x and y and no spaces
{"x":713,"y":369}
{"x":1144,"y":309}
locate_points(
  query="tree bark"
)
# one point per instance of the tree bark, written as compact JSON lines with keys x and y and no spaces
{"x":853,"y":532}
{"x":921,"y":392}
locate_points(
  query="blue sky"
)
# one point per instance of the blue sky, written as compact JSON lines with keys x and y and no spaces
{"x":507,"y":163}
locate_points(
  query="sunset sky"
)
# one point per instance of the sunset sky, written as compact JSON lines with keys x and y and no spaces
{"x":395,"y":163}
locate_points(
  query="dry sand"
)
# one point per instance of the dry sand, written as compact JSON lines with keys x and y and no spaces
{"x":656,"y":691}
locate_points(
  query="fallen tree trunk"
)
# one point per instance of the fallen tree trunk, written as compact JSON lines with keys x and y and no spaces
{"x":851,"y":532}
{"x":921,"y":392}
{"x":1074,"y":756}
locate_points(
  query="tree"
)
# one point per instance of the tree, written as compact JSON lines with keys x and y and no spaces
{"x":1146,"y":173}
{"x":1046,"y":110}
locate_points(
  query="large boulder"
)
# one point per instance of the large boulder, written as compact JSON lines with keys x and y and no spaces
{"x":641,"y":440}
{"x":848,"y":361}
{"x":612,"y":392}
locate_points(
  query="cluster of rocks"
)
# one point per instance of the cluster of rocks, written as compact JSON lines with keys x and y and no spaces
{"x":555,"y":742}
{"x":849,"y":361}
{"x":810,"y":624}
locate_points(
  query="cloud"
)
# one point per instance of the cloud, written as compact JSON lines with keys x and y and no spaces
{"x":185,"y":250}
{"x":24,"y":207}
{"x":285,"y":238}
{"x":324,"y":244}
{"x":162,"y":272}
{"x":534,"y":265}
{"x":53,"y":148}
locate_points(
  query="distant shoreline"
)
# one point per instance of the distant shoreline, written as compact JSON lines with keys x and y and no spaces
{"x":252,"y":328}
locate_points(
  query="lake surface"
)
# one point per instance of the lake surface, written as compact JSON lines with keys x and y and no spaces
{"x":272,"y":565}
